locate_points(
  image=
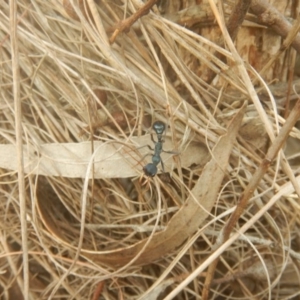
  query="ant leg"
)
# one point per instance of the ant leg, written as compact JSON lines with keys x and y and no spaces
{"x":171,"y":152}
{"x":152,"y":139}
{"x":148,"y":154}
{"x":150,"y":170}
{"x":152,"y":149}
{"x":145,"y":146}
{"x":162,"y":165}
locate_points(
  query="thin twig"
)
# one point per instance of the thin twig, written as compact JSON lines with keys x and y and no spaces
{"x":98,"y":291}
{"x":262,"y":169}
{"x":124,"y":25}
{"x":237,"y":17}
{"x":233,"y":24}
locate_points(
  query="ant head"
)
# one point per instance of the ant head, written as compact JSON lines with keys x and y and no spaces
{"x":159,"y":127}
{"x":150,"y":170}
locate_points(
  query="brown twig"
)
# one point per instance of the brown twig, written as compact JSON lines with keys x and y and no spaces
{"x":237,"y":17}
{"x":246,"y":195}
{"x":262,"y":169}
{"x":98,"y":291}
{"x":234,"y":22}
{"x":271,"y":17}
{"x":124,"y":25}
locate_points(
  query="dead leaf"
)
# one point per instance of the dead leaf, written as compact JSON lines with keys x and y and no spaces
{"x":111,"y":160}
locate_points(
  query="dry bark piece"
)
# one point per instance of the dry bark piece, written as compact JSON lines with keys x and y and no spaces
{"x":101,"y":95}
{"x":188,"y":17}
{"x":270,"y":16}
{"x":120,"y":118}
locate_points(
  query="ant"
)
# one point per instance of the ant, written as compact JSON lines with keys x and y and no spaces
{"x":150,"y":169}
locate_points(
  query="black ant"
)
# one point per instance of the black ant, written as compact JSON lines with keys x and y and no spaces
{"x":150,"y":169}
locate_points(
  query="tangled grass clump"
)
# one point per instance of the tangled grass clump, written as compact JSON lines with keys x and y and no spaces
{"x":81,"y":84}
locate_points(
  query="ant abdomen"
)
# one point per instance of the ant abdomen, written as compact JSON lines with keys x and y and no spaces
{"x":150,"y":170}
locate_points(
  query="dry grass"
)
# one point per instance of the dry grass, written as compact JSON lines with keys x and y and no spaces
{"x":86,"y":226}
